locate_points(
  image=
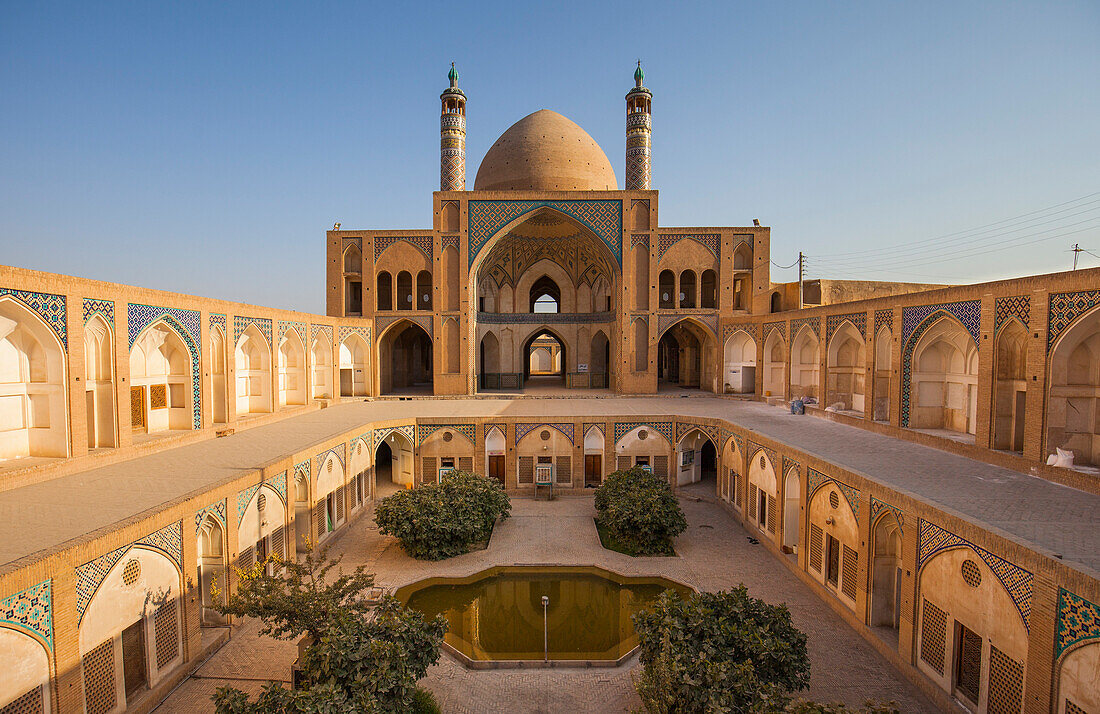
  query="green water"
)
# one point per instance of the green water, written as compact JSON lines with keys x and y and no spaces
{"x":497,"y":614}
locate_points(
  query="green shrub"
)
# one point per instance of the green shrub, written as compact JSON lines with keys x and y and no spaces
{"x":640,"y":511}
{"x":441,"y":520}
{"x":718,"y":652}
{"x":424,"y":702}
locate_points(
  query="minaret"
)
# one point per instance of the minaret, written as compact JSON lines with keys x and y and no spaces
{"x":638,"y":130}
{"x":452,"y":136}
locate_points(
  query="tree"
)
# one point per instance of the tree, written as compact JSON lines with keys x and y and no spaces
{"x":718,"y":652}
{"x":361,"y":655}
{"x":640,"y":511}
{"x":441,"y":520}
{"x":805,"y":707}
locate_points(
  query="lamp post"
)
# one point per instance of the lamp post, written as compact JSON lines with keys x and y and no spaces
{"x":545,"y":631}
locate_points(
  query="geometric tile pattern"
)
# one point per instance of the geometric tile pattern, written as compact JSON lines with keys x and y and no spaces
{"x":815,"y":480}
{"x":1018,"y":306}
{"x":773,"y":457}
{"x":858,"y":320}
{"x":1017,"y":581}
{"x":728,"y":331}
{"x":30,"y":610}
{"x":243,"y":499}
{"x":737,"y":439}
{"x":278,"y":482}
{"x":357,"y":242}
{"x":915,"y":321}
{"x":1067,"y":307}
{"x":216,"y":509}
{"x":421,"y":243}
{"x":879,"y":507}
{"x":316,"y":330}
{"x":667,"y":240}
{"x":346,"y":330}
{"x":90,"y":575}
{"x":407,"y":431}
{"x":590,"y":425}
{"x":769,"y":326}
{"x":51,"y":308}
{"x":185,"y":323}
{"x":241,"y":323}
{"x":813,"y":322}
{"x":523,"y":430}
{"x":789,"y":464}
{"x":217,"y":320}
{"x":684,"y":428}
{"x":662,"y":427}
{"x":423,"y":431}
{"x":299,"y":327}
{"x":337,"y":451}
{"x":106,"y":308}
{"x":639,"y":239}
{"x":603,"y":217}
{"x":450,"y":242}
{"x":1078,"y":620}
{"x":883,"y":317}
{"x":302,"y":469}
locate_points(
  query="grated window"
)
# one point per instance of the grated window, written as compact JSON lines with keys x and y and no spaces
{"x":763,"y":462}
{"x":359,"y":449}
{"x":933,"y":636}
{"x":329,"y":466}
{"x":834,"y":500}
{"x":278,"y":543}
{"x":246,"y":558}
{"x":1072,"y":708}
{"x":971,"y":574}
{"x":815,"y":547}
{"x":753,"y":501}
{"x":851,"y":568}
{"x":29,"y":703}
{"x":137,"y":406}
{"x":339,"y":496}
{"x":622,"y":463}
{"x":100,"y":696}
{"x":131,"y":572}
{"x":735,"y":479}
{"x":319,"y":518}
{"x":526,"y":469}
{"x":166,"y":634}
{"x":771,"y":514}
{"x":261,"y":502}
{"x":564,"y":476}
{"x":1006,"y":683}
{"x":466,"y":463}
{"x":968,"y":665}
{"x":660,"y":466}
{"x":158,"y":396}
{"x":427,"y":468}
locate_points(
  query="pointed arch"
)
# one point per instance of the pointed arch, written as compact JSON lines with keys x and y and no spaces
{"x":405,"y":359}
{"x":886,"y":564}
{"x":805,"y":363}
{"x":942,"y":365}
{"x":763,"y":491}
{"x":1074,"y":382}
{"x":883,"y":365}
{"x":320,"y":369}
{"x":218,"y":369}
{"x":353,"y":366}
{"x":161,"y":374}
{"x":847,"y":368}
{"x":690,"y":451}
{"x":1010,"y":386}
{"x":792,"y":501}
{"x":775,"y":365}
{"x":99,"y":383}
{"x":252,"y":359}
{"x":211,"y":555}
{"x":451,"y":271}
{"x":740,"y":363}
{"x":292,"y":369}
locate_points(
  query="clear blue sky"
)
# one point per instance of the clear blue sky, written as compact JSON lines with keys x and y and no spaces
{"x":206,"y":147}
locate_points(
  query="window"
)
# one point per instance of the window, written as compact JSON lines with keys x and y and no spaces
{"x":832,"y":560}
{"x":665,"y":287}
{"x":762,"y":508}
{"x":134,"y":668}
{"x":968,"y":662}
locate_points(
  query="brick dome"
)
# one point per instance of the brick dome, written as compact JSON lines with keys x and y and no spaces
{"x":545,"y":151}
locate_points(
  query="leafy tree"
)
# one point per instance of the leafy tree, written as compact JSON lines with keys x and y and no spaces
{"x":640,"y":511}
{"x":441,"y":520}
{"x":805,"y":707}
{"x":361,"y":656}
{"x":718,"y":652}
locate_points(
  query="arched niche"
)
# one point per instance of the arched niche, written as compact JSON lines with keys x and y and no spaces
{"x":1010,"y":387}
{"x":944,"y":381}
{"x":99,"y":383}
{"x":834,"y":542}
{"x":883,"y":362}
{"x":452,"y":272}
{"x":847,"y":365}
{"x":32,"y":385}
{"x":1078,"y":677}
{"x":405,"y":358}
{"x":762,"y":492}
{"x":740,"y":364}
{"x":25,"y":686}
{"x":320,"y":369}
{"x":792,"y":500}
{"x":353,"y":366}
{"x":775,"y":365}
{"x":886,"y":568}
{"x":696,"y":458}
{"x":262,"y":530}
{"x":733,"y":478}
{"x":1072,"y":422}
{"x":292,"y":370}
{"x":220,"y":401}
{"x":160,"y":380}
{"x":686,"y":355}
{"x":805,"y":364}
{"x":212,"y":580}
{"x":252,"y":358}
{"x":329,"y":505}
{"x":644,"y":446}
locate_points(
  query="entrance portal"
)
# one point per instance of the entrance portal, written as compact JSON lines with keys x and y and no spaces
{"x":383,"y":472}
{"x":544,"y":360}
{"x":405,"y":357}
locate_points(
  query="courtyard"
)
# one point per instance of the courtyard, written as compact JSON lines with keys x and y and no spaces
{"x":715,"y":553}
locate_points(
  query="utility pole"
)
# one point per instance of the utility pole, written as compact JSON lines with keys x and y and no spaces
{"x":1077,"y":250}
{"x":800,"y":273}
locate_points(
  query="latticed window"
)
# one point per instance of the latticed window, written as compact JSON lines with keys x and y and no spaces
{"x":526,"y":469}
{"x":564,"y":475}
{"x":816,"y":535}
{"x":851,"y":569}
{"x":968,"y":665}
{"x":158,"y":396}
{"x":28,"y":703}
{"x":622,"y":463}
{"x":166,"y":633}
{"x":1072,"y":708}
{"x":1006,"y":684}
{"x":427,"y":469}
{"x":100,"y":695}
{"x":771,"y":514}
{"x":933,"y":636}
{"x":278,"y":543}
{"x":660,"y":466}
{"x":752,"y":502}
{"x":340,"y":505}
{"x":466,"y":463}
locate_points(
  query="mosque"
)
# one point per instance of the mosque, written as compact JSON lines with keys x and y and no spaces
{"x":940,"y":492}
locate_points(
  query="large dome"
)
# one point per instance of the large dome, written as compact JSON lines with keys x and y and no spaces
{"x":545,"y":151}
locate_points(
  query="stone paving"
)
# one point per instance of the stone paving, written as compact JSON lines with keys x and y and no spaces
{"x":713,"y":554}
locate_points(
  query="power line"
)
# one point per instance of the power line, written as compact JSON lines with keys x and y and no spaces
{"x":785,"y":267}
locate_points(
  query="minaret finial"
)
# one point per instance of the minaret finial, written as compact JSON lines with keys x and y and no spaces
{"x":453,"y":75}
{"x":638,"y":132}
{"x":452,"y":136}
{"x":639,"y":75}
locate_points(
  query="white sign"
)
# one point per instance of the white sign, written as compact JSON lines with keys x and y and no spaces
{"x":582,"y":366}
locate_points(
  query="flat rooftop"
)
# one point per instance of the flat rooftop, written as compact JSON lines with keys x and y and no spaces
{"x":1032,"y":511}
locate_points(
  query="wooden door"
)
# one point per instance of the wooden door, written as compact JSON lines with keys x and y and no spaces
{"x":593,"y":466}
{"x":496,"y":468}
{"x":134,"y":672}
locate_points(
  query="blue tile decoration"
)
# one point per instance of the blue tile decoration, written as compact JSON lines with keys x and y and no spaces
{"x":218,"y":320}
{"x":883,"y":317}
{"x":423,"y":431}
{"x":664,"y":428}
{"x":408,"y":431}
{"x":31,"y":611}
{"x":728,"y":330}
{"x":814,"y":323}
{"x":604,"y":218}
{"x":833,"y":322}
{"x":243,"y":499}
{"x":737,"y":439}
{"x":316,"y":331}
{"x":880,"y":507}
{"x":815,"y":480}
{"x":1006,"y":308}
{"x":51,"y":308}
{"x":773,"y":457}
{"x":346,"y":330}
{"x":278,"y":482}
{"x":421,"y":243}
{"x":89,"y":576}
{"x":186,"y":324}
{"x":639,"y":239}
{"x":451,"y":242}
{"x":523,"y":430}
{"x":770,"y":326}
{"x":241,"y":323}
{"x":1078,"y":621}
{"x":1017,"y":581}
{"x":503,"y":428}
{"x":1067,"y":307}
{"x":707,"y":240}
{"x":216,"y":509}
{"x":789,"y":464}
{"x":683,"y":428}
{"x":915,"y":321}
{"x":104,"y":308}
{"x":357,"y":242}
{"x":299,"y":327}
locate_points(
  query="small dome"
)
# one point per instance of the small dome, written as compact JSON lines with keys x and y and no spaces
{"x":545,"y":151}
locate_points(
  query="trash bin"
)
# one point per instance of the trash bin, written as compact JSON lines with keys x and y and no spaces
{"x":798,"y":406}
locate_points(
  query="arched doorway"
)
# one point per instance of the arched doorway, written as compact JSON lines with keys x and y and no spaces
{"x":945,"y":379}
{"x":847,"y":369}
{"x":320,"y":367}
{"x":792,"y":496}
{"x":697,"y":460}
{"x":99,"y":384}
{"x":545,"y":296}
{"x":1072,"y":422}
{"x":405,"y":359}
{"x":544,"y":360}
{"x":740,"y":363}
{"x":211,"y":552}
{"x":598,"y":361}
{"x":882,"y":375}
{"x":685,"y":357}
{"x":886,"y":573}
{"x":353,"y":367}
{"x":775,"y":365}
{"x":393,"y":464}
{"x":217,"y":376}
{"x":160,"y":380}
{"x":805,"y":364}
{"x":383,"y":471}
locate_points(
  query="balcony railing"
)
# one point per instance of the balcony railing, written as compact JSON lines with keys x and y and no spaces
{"x":530,"y":318}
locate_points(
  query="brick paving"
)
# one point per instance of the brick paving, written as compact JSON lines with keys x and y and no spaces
{"x":713,"y":554}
